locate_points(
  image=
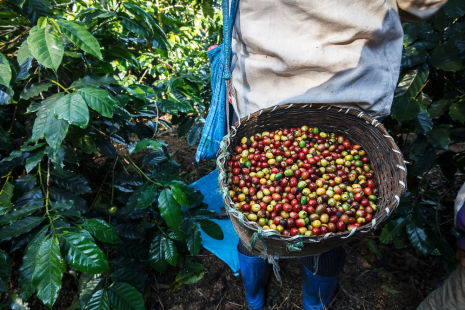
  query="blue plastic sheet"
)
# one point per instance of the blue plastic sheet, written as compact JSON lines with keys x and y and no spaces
{"x":225,"y":249}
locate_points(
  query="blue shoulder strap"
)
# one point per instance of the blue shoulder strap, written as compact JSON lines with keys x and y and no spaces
{"x":228,"y":23}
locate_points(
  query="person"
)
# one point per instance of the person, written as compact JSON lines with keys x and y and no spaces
{"x":451,"y":295}
{"x":342,"y":53}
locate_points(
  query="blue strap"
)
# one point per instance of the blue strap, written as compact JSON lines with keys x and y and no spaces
{"x":228,"y":23}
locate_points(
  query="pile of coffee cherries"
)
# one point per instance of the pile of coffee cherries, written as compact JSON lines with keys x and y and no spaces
{"x":302,"y":181}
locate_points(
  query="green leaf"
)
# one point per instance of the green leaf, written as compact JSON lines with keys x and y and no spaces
{"x":24,"y":69}
{"x":45,"y":46}
{"x":413,"y":81}
{"x":5,"y":71}
{"x":154,"y":158}
{"x":188,"y":191}
{"x":42,"y":22}
{"x":156,"y":254}
{"x":454,"y":8}
{"x":102,"y":231}
{"x":194,"y":134}
{"x":27,"y":268}
{"x":88,"y":285}
{"x":72,"y":54}
{"x":5,"y":141}
{"x":211,"y":228}
{"x":46,"y":125}
{"x":190,"y":274}
{"x":83,"y":142}
{"x":172,"y":106}
{"x":20,"y":227}
{"x":105,"y":147}
{"x":418,"y":237}
{"x":72,"y":182}
{"x":130,"y":276}
{"x":185,"y":126}
{"x":170,"y":252}
{"x":457,"y":111}
{"x":391,"y":229}
{"x":34,"y":159}
{"x":207,"y":8}
{"x":404,"y":109}
{"x":439,"y":107}
{"x":177,"y":235}
{"x":5,"y":198}
{"x":72,"y":108}
{"x":98,"y":301}
{"x":4,"y":271}
{"x":80,"y":37}
{"x":423,"y":163}
{"x":413,"y":56}
{"x":445,"y":249}
{"x":179,"y":195}
{"x":157,"y":32}
{"x":144,"y":143}
{"x":446,"y":57}
{"x":17,"y":214}
{"x":82,"y":254}
{"x":135,"y":27}
{"x":125,"y":297}
{"x":35,"y":90}
{"x":23,"y":52}
{"x":438,"y":138}
{"x":411,"y":32}
{"x":18,"y":3}
{"x":92,"y":81}
{"x":170,"y":210}
{"x":194,"y":240}
{"x":422,"y":121}
{"x":48,"y":272}
{"x":143,"y":197}
{"x":98,"y":99}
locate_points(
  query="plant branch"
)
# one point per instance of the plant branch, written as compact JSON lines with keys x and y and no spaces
{"x":7,"y":178}
{"x":56,"y":83}
{"x":100,"y":188}
{"x":113,"y":182}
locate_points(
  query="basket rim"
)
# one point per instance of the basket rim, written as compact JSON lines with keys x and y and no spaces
{"x":359,"y":115}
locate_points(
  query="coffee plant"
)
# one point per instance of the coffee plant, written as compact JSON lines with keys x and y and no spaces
{"x":87,"y":187}
{"x":427,"y":120}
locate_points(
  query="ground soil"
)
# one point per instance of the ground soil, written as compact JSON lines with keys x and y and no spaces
{"x":391,"y":279}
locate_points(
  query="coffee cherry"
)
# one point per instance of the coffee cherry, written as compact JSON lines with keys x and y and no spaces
{"x":287,"y":179}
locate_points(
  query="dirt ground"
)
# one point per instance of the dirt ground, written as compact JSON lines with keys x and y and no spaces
{"x":388,"y":279}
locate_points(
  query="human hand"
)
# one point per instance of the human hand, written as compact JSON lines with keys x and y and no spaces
{"x":460,"y":255}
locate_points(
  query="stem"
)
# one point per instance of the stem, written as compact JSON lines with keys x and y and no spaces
{"x":46,"y":192}
{"x":47,"y":201}
{"x":143,"y":75}
{"x":100,"y":188}
{"x":56,"y":83}
{"x":140,"y":171}
{"x":162,"y":231}
{"x":421,"y":89}
{"x":447,"y":80}
{"x":113,"y":183}
{"x":175,"y":71}
{"x":7,"y":178}
{"x":424,"y":177}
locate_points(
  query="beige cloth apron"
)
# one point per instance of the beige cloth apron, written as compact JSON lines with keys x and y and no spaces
{"x":346,"y":53}
{"x":450,"y":296}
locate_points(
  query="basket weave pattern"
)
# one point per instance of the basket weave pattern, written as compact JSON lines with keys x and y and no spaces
{"x":385,"y":158}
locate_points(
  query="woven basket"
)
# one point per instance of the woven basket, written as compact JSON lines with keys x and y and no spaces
{"x":385,"y":158}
